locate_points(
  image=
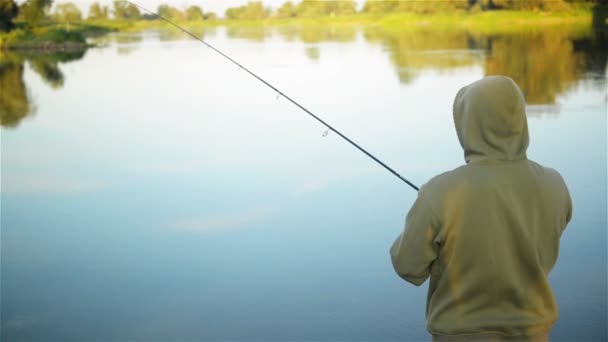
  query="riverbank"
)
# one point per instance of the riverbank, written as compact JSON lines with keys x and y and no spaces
{"x":52,"y":37}
{"x":58,"y":37}
{"x":488,"y":22}
{"x":482,"y":22}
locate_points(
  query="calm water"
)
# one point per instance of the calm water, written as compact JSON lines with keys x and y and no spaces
{"x":151,"y":190}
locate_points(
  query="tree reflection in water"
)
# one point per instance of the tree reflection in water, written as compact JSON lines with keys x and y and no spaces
{"x":545,"y":63}
{"x":15,"y":102}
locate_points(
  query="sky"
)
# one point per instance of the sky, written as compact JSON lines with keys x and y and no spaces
{"x":217,"y":6}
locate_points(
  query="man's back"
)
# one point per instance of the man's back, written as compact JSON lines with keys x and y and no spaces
{"x":488,"y":232}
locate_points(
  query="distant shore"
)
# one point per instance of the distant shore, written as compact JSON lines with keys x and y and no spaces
{"x":51,"y":37}
{"x":482,"y":22}
{"x":60,"y":37}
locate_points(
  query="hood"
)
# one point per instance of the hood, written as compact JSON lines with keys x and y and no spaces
{"x":490,"y":120}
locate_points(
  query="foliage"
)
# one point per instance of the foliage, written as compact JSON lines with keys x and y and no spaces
{"x":97,"y":12}
{"x":379,"y":7}
{"x":600,"y":17}
{"x":251,"y":11}
{"x":33,"y":11}
{"x":57,"y":35}
{"x":520,"y":4}
{"x":46,"y":38}
{"x":67,"y":12}
{"x":287,"y":10}
{"x":194,"y":13}
{"x":125,"y":11}
{"x":414,"y":6}
{"x":8,"y":11}
{"x":429,"y":7}
{"x":346,"y":8}
{"x":312,"y":9}
{"x":169,"y":12}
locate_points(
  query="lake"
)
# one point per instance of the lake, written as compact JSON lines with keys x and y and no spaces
{"x":152,"y":190}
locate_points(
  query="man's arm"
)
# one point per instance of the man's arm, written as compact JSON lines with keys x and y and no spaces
{"x":415,"y":249}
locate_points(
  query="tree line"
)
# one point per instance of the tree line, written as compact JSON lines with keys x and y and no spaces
{"x":256,"y":10}
{"x":34,"y":11}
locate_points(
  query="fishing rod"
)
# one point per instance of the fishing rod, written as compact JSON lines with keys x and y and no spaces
{"x":279,"y":93}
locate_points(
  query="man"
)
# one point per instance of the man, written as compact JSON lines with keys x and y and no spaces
{"x":487,"y":233}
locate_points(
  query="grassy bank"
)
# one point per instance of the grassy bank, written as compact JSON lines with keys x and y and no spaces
{"x":51,"y":37}
{"x":482,"y":22}
{"x":487,"y":22}
{"x":54,"y":36}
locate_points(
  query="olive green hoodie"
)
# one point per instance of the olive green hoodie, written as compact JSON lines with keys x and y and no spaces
{"x":487,"y":232}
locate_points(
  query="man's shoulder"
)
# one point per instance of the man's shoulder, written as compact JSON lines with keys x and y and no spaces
{"x":548,"y":173}
{"x":444,"y":180}
{"x":468,"y":176}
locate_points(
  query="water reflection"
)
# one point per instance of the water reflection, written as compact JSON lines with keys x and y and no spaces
{"x":90,"y":249}
{"x":253,"y":33}
{"x":15,"y":103}
{"x":545,"y":64}
{"x":549,"y":66}
{"x":128,"y":38}
{"x":313,"y":53}
{"x":126,"y":43}
{"x":315,"y":33}
{"x":414,"y":51}
{"x":168,"y":35}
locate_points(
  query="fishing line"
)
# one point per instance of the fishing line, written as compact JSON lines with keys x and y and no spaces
{"x":279,"y":94}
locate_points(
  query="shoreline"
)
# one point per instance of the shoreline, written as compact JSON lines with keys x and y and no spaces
{"x":47,"y":47}
{"x":55,"y":37}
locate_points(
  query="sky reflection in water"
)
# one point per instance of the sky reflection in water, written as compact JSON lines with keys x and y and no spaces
{"x":152,"y":190}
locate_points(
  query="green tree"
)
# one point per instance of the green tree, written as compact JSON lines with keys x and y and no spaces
{"x":232,"y":13}
{"x":210,"y":16}
{"x":194,"y":13}
{"x":379,"y":7}
{"x":252,"y":11}
{"x":96,"y":11}
{"x":67,"y":13}
{"x":314,"y":9}
{"x":133,"y":12}
{"x":311,"y":9}
{"x":429,"y":7}
{"x":120,"y":10}
{"x":126,"y":11}
{"x":169,"y":12}
{"x":522,"y":4}
{"x":343,"y":7}
{"x":287,"y":10}
{"x":8,"y":11}
{"x":33,"y":11}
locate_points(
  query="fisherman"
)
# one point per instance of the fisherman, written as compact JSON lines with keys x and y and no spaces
{"x":487,"y":233}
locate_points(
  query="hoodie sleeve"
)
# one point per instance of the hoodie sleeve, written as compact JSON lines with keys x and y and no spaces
{"x":415,"y":249}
